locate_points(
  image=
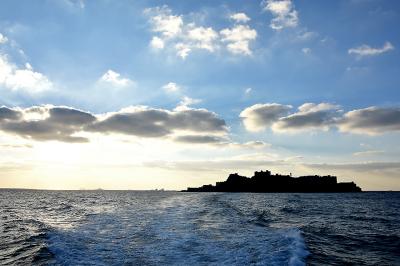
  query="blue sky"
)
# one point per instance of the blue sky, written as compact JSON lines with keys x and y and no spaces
{"x":231,"y":59}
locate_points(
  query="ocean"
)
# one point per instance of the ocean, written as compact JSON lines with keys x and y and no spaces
{"x":173,"y":228}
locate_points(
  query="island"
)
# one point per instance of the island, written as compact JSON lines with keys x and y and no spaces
{"x":264,"y":181}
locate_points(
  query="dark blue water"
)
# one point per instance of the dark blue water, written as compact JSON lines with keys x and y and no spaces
{"x":163,"y":228}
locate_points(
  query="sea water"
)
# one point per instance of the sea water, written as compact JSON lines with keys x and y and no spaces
{"x":173,"y":228}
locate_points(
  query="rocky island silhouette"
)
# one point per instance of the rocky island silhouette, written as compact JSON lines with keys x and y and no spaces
{"x":264,"y":181}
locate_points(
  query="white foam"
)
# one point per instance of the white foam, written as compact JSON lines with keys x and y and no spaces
{"x":180,"y":230}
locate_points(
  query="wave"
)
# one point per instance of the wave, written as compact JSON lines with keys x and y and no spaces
{"x":180,"y":230}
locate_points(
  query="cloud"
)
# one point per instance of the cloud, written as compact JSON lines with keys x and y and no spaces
{"x":368,"y":153}
{"x":240,"y":17}
{"x":57,"y":123}
{"x":147,"y":122}
{"x":217,"y":164}
{"x":157,"y":43}
{"x":323,"y":116}
{"x":134,"y":121}
{"x":306,"y":50}
{"x":16,"y":146}
{"x":75,"y":3}
{"x":305,"y":35}
{"x":182,"y":50}
{"x":3,"y":39}
{"x":113,"y":78}
{"x":247,"y":91}
{"x":371,"y":121}
{"x":309,"y":117}
{"x":260,"y":116}
{"x":164,"y":22}
{"x":203,"y":38}
{"x":238,"y":39}
{"x":221,"y":142}
{"x":366,"y":50}
{"x":187,"y":101}
{"x":171,"y":87}
{"x":256,"y":144}
{"x":25,"y":79}
{"x":285,"y":16}
{"x":185,"y":37}
{"x":199,"y":139}
{"x":361,"y":167}
{"x":9,"y":114}
{"x":65,"y":124}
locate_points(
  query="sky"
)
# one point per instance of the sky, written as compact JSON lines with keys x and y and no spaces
{"x":170,"y":94}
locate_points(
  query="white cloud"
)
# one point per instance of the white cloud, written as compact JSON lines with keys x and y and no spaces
{"x":260,"y":116}
{"x":184,"y":37}
{"x":187,"y":101}
{"x":240,"y":18}
{"x":306,"y":50}
{"x":25,"y":79}
{"x":247,"y":91}
{"x":238,"y":39}
{"x":182,"y":50}
{"x":305,"y":35}
{"x":368,"y":153}
{"x":285,"y":16}
{"x":164,"y":22}
{"x":157,"y":43}
{"x":113,"y":78}
{"x":171,"y":87}
{"x":366,"y":50}
{"x":257,"y":144}
{"x":203,"y":38}
{"x":3,"y":39}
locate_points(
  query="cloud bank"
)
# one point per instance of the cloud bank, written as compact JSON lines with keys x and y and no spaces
{"x":372,"y":120}
{"x":67,"y":124}
{"x":323,"y":116}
